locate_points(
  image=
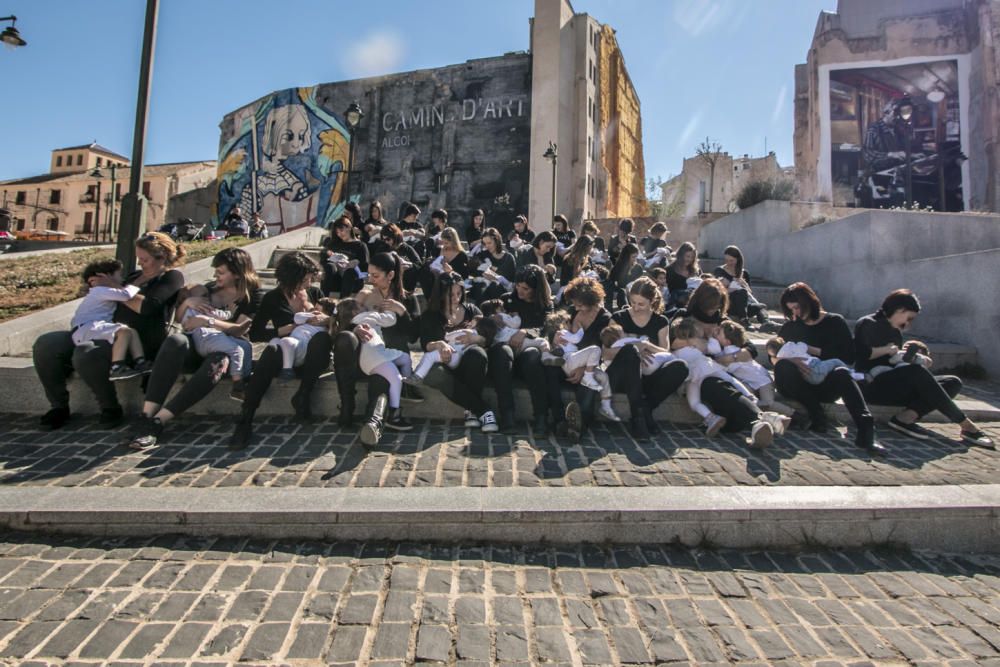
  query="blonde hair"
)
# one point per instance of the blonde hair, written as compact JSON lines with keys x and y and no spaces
{"x":451,"y":236}
{"x":160,"y":246}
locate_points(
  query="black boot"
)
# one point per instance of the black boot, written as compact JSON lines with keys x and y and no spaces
{"x":302,"y":405}
{"x":652,"y":428}
{"x":243,"y":431}
{"x":371,"y":431}
{"x":638,"y":428}
{"x":541,"y":425}
{"x":867,"y":440}
{"x":396,"y":421}
{"x":55,"y":418}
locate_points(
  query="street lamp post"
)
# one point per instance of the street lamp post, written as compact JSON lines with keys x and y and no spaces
{"x":111,"y":207}
{"x":353,"y":116}
{"x":551,"y":153}
{"x":97,"y":210}
{"x":10,"y":37}
{"x":133,"y":213}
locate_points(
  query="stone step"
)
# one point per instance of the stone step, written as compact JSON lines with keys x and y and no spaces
{"x":964,"y":517}
{"x":24,"y":395}
{"x":312,"y":251}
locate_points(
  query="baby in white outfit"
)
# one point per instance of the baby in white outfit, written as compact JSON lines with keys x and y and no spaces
{"x":729,"y":341}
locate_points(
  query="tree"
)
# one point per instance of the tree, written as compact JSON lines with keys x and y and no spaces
{"x":710,"y":151}
{"x":654,"y":194}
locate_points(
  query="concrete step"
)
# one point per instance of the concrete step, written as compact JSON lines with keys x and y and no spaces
{"x":312,"y":251}
{"x":964,"y":517}
{"x":24,"y":395}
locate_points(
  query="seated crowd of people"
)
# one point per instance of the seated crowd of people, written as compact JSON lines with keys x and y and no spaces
{"x":555,"y":309}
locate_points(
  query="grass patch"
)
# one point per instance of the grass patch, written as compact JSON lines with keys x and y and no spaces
{"x":42,"y":281}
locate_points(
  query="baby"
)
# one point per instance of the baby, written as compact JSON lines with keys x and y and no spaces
{"x":730,"y":338}
{"x":691,"y":348}
{"x":209,"y":338}
{"x":613,"y":337}
{"x":293,"y":346}
{"x":343,"y":264}
{"x":94,"y":317}
{"x":375,"y":357}
{"x":913,"y":352}
{"x":659,"y":276}
{"x":509,"y":328}
{"x":568,"y":355}
{"x":777,"y":349}
{"x":485,"y":327}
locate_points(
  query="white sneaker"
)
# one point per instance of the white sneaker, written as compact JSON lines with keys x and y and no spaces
{"x":590,"y":382}
{"x":608,"y":413}
{"x":777,"y":421}
{"x":714,"y":424}
{"x":761,"y":434}
{"x":471,"y":420}
{"x":489,"y":422}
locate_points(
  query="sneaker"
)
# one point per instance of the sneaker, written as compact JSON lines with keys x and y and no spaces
{"x":609,"y":414}
{"x":110,"y":417}
{"x":144,"y":367}
{"x":761,"y":434}
{"x":238,"y":391}
{"x":55,"y":418}
{"x":471,"y":420}
{"x":414,"y":380}
{"x":147,"y":434}
{"x":779,"y":422}
{"x":286,"y":375}
{"x":241,"y":435}
{"x":978,"y":439}
{"x":397,"y":422}
{"x":913,"y":430}
{"x":121,"y":372}
{"x":574,"y":421}
{"x":714,"y":424}
{"x":590,"y":382}
{"x":488,"y":422}
{"x":411,"y":394}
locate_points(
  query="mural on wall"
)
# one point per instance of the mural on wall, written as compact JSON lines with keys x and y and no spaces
{"x":287,"y":160}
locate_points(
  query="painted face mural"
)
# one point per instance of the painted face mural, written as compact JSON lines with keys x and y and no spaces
{"x":286,"y":161}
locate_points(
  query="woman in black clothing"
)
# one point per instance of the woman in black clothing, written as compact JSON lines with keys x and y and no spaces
{"x":621,"y":239}
{"x":353,"y":213}
{"x":55,"y":356}
{"x":564,"y":235}
{"x":644,"y":317}
{"x":391,"y":240}
{"x":453,"y":259}
{"x":684,"y":266}
{"x":656,"y":239}
{"x":497,"y":278}
{"x":276,"y":317}
{"x":432,"y":234}
{"x":448,"y":311}
{"x":340,"y":275}
{"x":590,"y":229}
{"x":828,"y":337}
{"x":236,"y":289}
{"x":576,"y":260}
{"x":878,"y":338}
{"x":477,"y":223}
{"x":625,"y":270}
{"x":733,"y":274}
{"x":540,"y":251}
{"x":531,"y":300}
{"x":385,"y":292}
{"x":375,"y":221}
{"x":521,"y":233}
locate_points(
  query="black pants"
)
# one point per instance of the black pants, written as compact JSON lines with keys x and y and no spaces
{"x":838,"y":384}
{"x":346,"y":284}
{"x":625,"y":376}
{"x":346,"y":353}
{"x":666,"y":380}
{"x":468,"y":381}
{"x":743,"y":306}
{"x":177,"y":354}
{"x":915,"y":388}
{"x":316,"y":362}
{"x":485,"y":291}
{"x":727,"y":401}
{"x":504,"y":367}
{"x":55,"y":357}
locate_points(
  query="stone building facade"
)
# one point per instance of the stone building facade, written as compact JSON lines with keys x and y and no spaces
{"x":942,"y":55}
{"x":696,"y":190}
{"x":462,"y":137}
{"x":66,"y":199}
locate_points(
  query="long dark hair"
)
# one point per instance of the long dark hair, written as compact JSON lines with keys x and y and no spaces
{"x":534,"y":277}
{"x":624,"y":264}
{"x":443,"y":283}
{"x":388,"y":262}
{"x":238,"y":262}
{"x":342,"y":222}
{"x":733,"y":251}
{"x":472,"y":221}
{"x":293,"y":269}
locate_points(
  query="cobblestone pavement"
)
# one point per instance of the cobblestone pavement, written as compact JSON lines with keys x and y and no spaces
{"x":443,"y":453}
{"x":183,"y":601}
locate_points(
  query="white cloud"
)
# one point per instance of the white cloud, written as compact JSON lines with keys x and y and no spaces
{"x":687,"y":133}
{"x":376,"y":53}
{"x":779,"y":104}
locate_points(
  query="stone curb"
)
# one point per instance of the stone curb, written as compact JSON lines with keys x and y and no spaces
{"x":964,"y":517}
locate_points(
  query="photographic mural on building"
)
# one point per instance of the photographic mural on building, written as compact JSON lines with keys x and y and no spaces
{"x":287,"y":161}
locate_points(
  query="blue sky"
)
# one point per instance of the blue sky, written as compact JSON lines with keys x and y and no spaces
{"x":722,"y":68}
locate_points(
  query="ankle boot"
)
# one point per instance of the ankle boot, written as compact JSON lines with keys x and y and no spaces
{"x":638,"y":427}
{"x":346,"y":416}
{"x":371,"y":431}
{"x":647,"y":415}
{"x":866,"y":438}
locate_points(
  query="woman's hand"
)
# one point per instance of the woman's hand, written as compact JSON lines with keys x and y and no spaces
{"x":469,"y":339}
{"x":445,"y":267}
{"x":802,"y":366}
{"x":364,"y":333}
{"x":550,"y":268}
{"x":200,"y":304}
{"x":319,"y":320}
{"x":199,"y":321}
{"x":391,"y":306}
{"x":103,"y":280}
{"x":445,"y":351}
{"x":576,"y":376}
{"x":892,"y":349}
{"x":559,"y":340}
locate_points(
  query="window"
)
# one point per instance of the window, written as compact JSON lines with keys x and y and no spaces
{"x":88,"y":221}
{"x":590,"y":68}
{"x":118,"y":191}
{"x":79,"y":159}
{"x":590,"y":147}
{"x":59,"y":160}
{"x":145,"y":189}
{"x":20,"y":223}
{"x":53,"y":224}
{"x":55,"y":196}
{"x":702,"y":196}
{"x":20,"y":197}
{"x":590,"y":106}
{"x":98,"y":162}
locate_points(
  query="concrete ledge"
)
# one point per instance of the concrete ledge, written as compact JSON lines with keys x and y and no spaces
{"x":963,"y":517}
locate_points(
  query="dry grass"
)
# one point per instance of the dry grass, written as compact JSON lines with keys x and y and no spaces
{"x":36,"y":283}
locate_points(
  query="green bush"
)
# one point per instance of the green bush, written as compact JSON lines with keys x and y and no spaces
{"x":755,"y":192}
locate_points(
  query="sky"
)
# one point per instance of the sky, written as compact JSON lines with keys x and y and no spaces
{"x":702,"y":68}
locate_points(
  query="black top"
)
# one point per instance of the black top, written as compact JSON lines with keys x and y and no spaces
{"x":652,"y":329}
{"x":503,"y":266}
{"x":527,"y":236}
{"x":433,"y":324}
{"x":721,"y":273}
{"x":472,"y":234}
{"x":567,"y":272}
{"x":460,"y":264}
{"x":243,"y":306}
{"x":675,"y":281}
{"x":566,"y":238}
{"x":615,"y":245}
{"x":592,"y":334}
{"x":831,"y":335}
{"x":157,"y":308}
{"x":648,"y":244}
{"x":532,"y":314}
{"x":353,"y":249}
{"x":407,"y":226}
{"x":870,"y":332}
{"x":276,"y":311}
{"x":525,"y":255}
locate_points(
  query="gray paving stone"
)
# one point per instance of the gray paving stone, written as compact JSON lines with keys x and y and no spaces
{"x":225,"y":640}
{"x":473,"y":642}
{"x":64,"y":642}
{"x":433,"y":643}
{"x":145,"y":641}
{"x":310,"y":641}
{"x":107,"y":639}
{"x":187,"y":640}
{"x":391,"y":640}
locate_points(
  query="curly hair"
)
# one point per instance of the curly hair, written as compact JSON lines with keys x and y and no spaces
{"x":293,"y":269}
{"x":584,"y":291}
{"x":101,"y":266}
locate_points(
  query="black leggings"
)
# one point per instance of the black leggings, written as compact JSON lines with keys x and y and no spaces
{"x":346,"y":351}
{"x":346,"y":284}
{"x":727,"y":401}
{"x":527,"y":366}
{"x":468,"y":380}
{"x":838,"y":384}
{"x":177,"y":354}
{"x":742,"y":306}
{"x":55,"y":357}
{"x":915,"y":388}
{"x":317,"y":360}
{"x":666,"y":380}
{"x":625,"y":376}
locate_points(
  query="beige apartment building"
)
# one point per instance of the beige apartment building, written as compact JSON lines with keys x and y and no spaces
{"x":700,"y":189}
{"x":74,"y":201}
